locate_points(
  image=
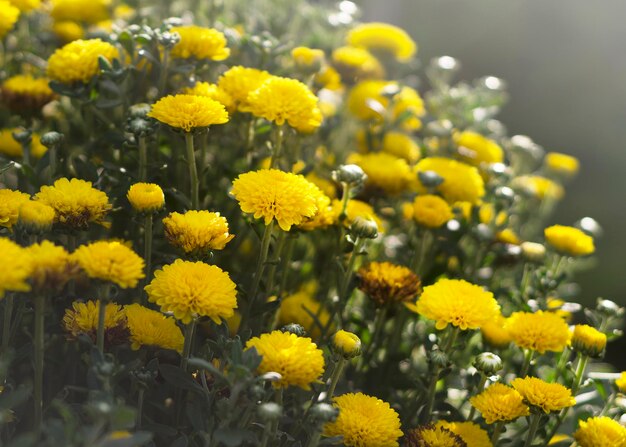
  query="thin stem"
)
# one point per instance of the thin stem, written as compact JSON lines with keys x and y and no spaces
{"x":193,"y":171}
{"x":379,"y":324}
{"x":420,"y":256}
{"x":52,"y":166}
{"x":479,"y":389}
{"x":38,"y":343}
{"x":189,"y":331}
{"x":102,"y":302}
{"x":314,"y":440}
{"x":6,"y":324}
{"x":164,"y":69}
{"x":286,"y":259}
{"x":358,"y":246}
{"x":273,"y":264}
{"x":532,"y":429}
{"x":143,"y":158}
{"x":277,"y":149}
{"x":344,"y":201}
{"x":334,"y":379}
{"x":528,"y":358}
{"x":140,"y":407}
{"x":497,"y":430}
{"x":147,"y":250}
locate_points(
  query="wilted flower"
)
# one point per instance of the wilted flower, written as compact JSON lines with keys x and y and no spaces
{"x":387,"y":283}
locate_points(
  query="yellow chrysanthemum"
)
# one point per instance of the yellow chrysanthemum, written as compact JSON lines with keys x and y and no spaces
{"x":299,"y":308}
{"x":52,"y":265}
{"x":433,"y":436}
{"x":401,"y":145}
{"x":325,"y":185}
{"x":297,"y":359}
{"x":588,"y":340}
{"x":346,"y":344}
{"x":323,"y":218}
{"x":68,"y":31}
{"x":431,"y":211}
{"x":354,"y":64}
{"x":476,"y":149}
{"x":10,"y":203}
{"x":193,"y":289}
{"x":540,"y":331}
{"x":36,"y":217}
{"x":508,"y":236}
{"x":82,"y":318}
{"x":151,"y":328}
{"x":621,"y":382}
{"x":328,"y":78}
{"x":500,"y":403}
{"x":539,"y":187}
{"x":368,"y":100}
{"x":307,"y":58}
{"x":549,"y":397}
{"x":383,"y":38}
{"x":214,"y":92}
{"x":495,"y":334}
{"x":354,"y":209}
{"x":188,"y":112}
{"x":364,"y":421}
{"x":146,"y":197}
{"x":200,"y":43}
{"x":110,"y":261}
{"x":76,"y":202}
{"x":197,"y":232}
{"x":562,"y":164}
{"x":600,"y":432}
{"x":11,"y":148}
{"x":387,"y":283}
{"x":8,"y":17}
{"x":14,"y":278}
{"x":25,"y":93}
{"x":384,"y":171}
{"x":471,"y":433}
{"x":26,"y":5}
{"x":78,"y":60}
{"x":569,"y":240}
{"x":456,"y":302}
{"x":274,"y":194}
{"x":461,"y":182}
{"x":286,"y":100}
{"x":86,"y":11}
{"x":408,"y":106}
{"x":238,"y":82}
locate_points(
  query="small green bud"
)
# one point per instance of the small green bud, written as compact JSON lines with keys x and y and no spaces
{"x":533,"y":252}
{"x":362,"y":227}
{"x":430,"y":179}
{"x":270,"y":411}
{"x":609,"y":308}
{"x":352,"y":175}
{"x":323,"y":413}
{"x":294,"y":328}
{"x":438,"y":358}
{"x":346,"y":344}
{"x":488,"y":363}
{"x":140,"y":110}
{"x":52,"y":139}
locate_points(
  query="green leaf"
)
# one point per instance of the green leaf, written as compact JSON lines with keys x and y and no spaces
{"x":179,"y":378}
{"x":203,"y":364}
{"x":11,"y":399}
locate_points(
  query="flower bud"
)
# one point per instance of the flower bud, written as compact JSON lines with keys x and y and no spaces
{"x":140,"y":110}
{"x":609,"y":308}
{"x":363,"y":227}
{"x":270,"y":411}
{"x":294,"y":328}
{"x":146,"y":197}
{"x":488,"y":363}
{"x":23,"y":136}
{"x":588,"y":341}
{"x":52,"y":139}
{"x":323,"y":412}
{"x":430,"y":179}
{"x":353,"y":175}
{"x":441,"y":128}
{"x":346,"y":344}
{"x":438,"y":358}
{"x":533,"y":252}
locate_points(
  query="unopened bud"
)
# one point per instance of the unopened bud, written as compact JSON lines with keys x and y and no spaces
{"x":609,"y":308}
{"x":438,"y":358}
{"x":533,"y":252}
{"x":488,"y":363}
{"x":346,"y":344}
{"x":430,"y":179}
{"x":52,"y":139}
{"x":352,"y":175}
{"x":363,"y":227}
{"x":270,"y":411}
{"x":294,"y":328}
{"x":323,"y":412}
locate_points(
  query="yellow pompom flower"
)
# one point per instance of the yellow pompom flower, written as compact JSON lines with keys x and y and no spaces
{"x":508,"y":236}
{"x":355,"y":64}
{"x":346,"y":344}
{"x":461,"y":182}
{"x":408,"y":106}
{"x":569,"y":241}
{"x":621,"y":382}
{"x":561,"y":164}
{"x":364,"y":421}
{"x":323,"y":218}
{"x":25,"y":93}
{"x":76,"y":202}
{"x":197,"y":232}
{"x":356,"y":208}
{"x":470,"y":433}
{"x":287,"y":100}
{"x":110,"y":261}
{"x":600,"y":432}
{"x":82,"y":318}
{"x":26,"y":5}
{"x":298,"y":308}
{"x":36,"y":217}
{"x":433,"y":436}
{"x":588,"y":340}
{"x":369,"y":99}
{"x":476,"y":149}
{"x":86,"y":11}
{"x":68,"y":30}
{"x":401,"y":145}
{"x":146,"y":197}
{"x":188,"y":112}
{"x":384,"y":171}
{"x":297,"y":359}
{"x":11,"y":148}
{"x":52,"y":265}
{"x":383,"y":38}
{"x":78,"y":60}
{"x":151,"y":328}
{"x":193,"y":289}
{"x":214,"y":92}
{"x":308,"y":59}
{"x":10,"y":203}
{"x":539,"y":187}
{"x":273,"y":194}
{"x":495,"y":334}
{"x":540,"y":331}
{"x":431,"y":211}
{"x":500,"y":402}
{"x":15,"y":278}
{"x":8,"y":17}
{"x":456,"y":302}
{"x":200,"y":43}
{"x":238,"y":82}
{"x":549,"y":397}
{"x":387,"y":283}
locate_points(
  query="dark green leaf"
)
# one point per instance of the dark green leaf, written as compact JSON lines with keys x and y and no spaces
{"x":179,"y":378}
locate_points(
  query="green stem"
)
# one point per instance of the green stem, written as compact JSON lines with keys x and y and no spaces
{"x":193,"y":171}
{"x":479,"y":389}
{"x":52,"y":166}
{"x":609,"y":404}
{"x":140,"y":407}
{"x":164,"y":69}
{"x":102,"y":302}
{"x":260,"y":266}
{"x":273,"y":264}
{"x":497,"y":430}
{"x":334,"y":379}
{"x":278,"y":146}
{"x":189,"y":331}
{"x":532,"y":429}
{"x":143,"y":158}
{"x":314,"y":440}
{"x":285,"y":261}
{"x":528,"y":358}
{"x":6,"y":324}
{"x":420,"y":256}
{"x":345,"y":283}
{"x":38,"y":343}
{"x":344,"y":201}
{"x":379,"y":324}
{"x":446,"y":345}
{"x":147,"y":250}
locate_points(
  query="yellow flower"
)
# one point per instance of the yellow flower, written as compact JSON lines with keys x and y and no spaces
{"x":539,"y":187}
{"x":14,"y":278}
{"x":433,"y":436}
{"x":325,"y":185}
{"x":456,"y":302}
{"x":328,"y":78}
{"x":188,"y":112}
{"x":146,"y":197}
{"x":408,"y":106}
{"x":500,"y":403}
{"x":8,"y":17}
{"x":562,"y":164}
{"x":10,"y":203}
{"x":110,"y":261}
{"x":36,"y":217}
{"x":26,"y":5}
{"x":540,"y":331}
{"x":621,"y":382}
{"x":354,"y":209}
{"x":52,"y":265}
{"x":86,"y":11}
{"x":238,"y":82}
{"x":212,"y":91}
{"x":347,"y":344}
{"x":383,"y":38}
{"x":462,"y":182}
{"x":11,"y":148}
{"x":82,"y":318}
{"x":68,"y":31}
{"x":193,"y":289}
{"x":384,"y":171}
{"x":508,"y":236}
{"x":200,"y":43}
{"x":495,"y":334}
{"x":401,"y":145}
{"x":355,"y":64}
{"x":364,"y":421}
{"x":588,"y":340}
{"x":151,"y":328}
{"x":387,"y":283}
{"x":470,"y":433}
{"x":368,"y":101}
{"x":22,"y":93}
{"x":569,"y":240}
{"x":307,"y":58}
{"x":76,"y":202}
{"x":431,"y":211}
{"x":550,"y":397}
{"x":197,"y":232}
{"x":299,"y":308}
{"x":286,"y":100}
{"x":323,"y":218}
{"x":600,"y":432}
{"x":297,"y":359}
{"x":475,"y":149}
{"x":273,"y":194}
{"x":78,"y":60}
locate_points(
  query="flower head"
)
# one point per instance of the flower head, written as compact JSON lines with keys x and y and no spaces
{"x":36,"y":217}
{"x":385,"y":282}
{"x":470,"y":433}
{"x":354,"y":209}
{"x":86,"y":11}
{"x":212,"y":91}
{"x":110,"y":261}
{"x":200,"y":43}
{"x":494,"y":332}
{"x":25,"y":93}
{"x":383,"y":38}
{"x":539,"y":187}
{"x":67,"y":31}
{"x":52,"y":265}
{"x":461,"y":182}
{"x":78,"y":60}
{"x":456,"y":302}
{"x":26,"y":5}
{"x":401,"y":145}
{"x":307,"y":58}
{"x":569,"y":240}
{"x":384,"y":171}
{"x":8,"y":17}
{"x":588,"y":340}
{"x":600,"y":432}
{"x":431,"y":211}
{"x":364,"y":421}
{"x":151,"y":328}
{"x":299,"y":308}
{"x":15,"y":278}
{"x":540,"y":331}
{"x":433,"y":436}
{"x":197,"y":232}
{"x":356,"y":64}
{"x":561,"y":164}
{"x":476,"y":149}
{"x":621,"y":382}
{"x":549,"y":397}
{"x":237,"y":82}
{"x":368,"y":101}
{"x":10,"y":203}
{"x":10,"y":147}
{"x":82,"y":318}
{"x":346,"y":344}
{"x":188,"y":112}
{"x":500,"y":402}
{"x":76,"y":202}
{"x":146,"y":197}
{"x":193,"y":289}
{"x":297,"y":359}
